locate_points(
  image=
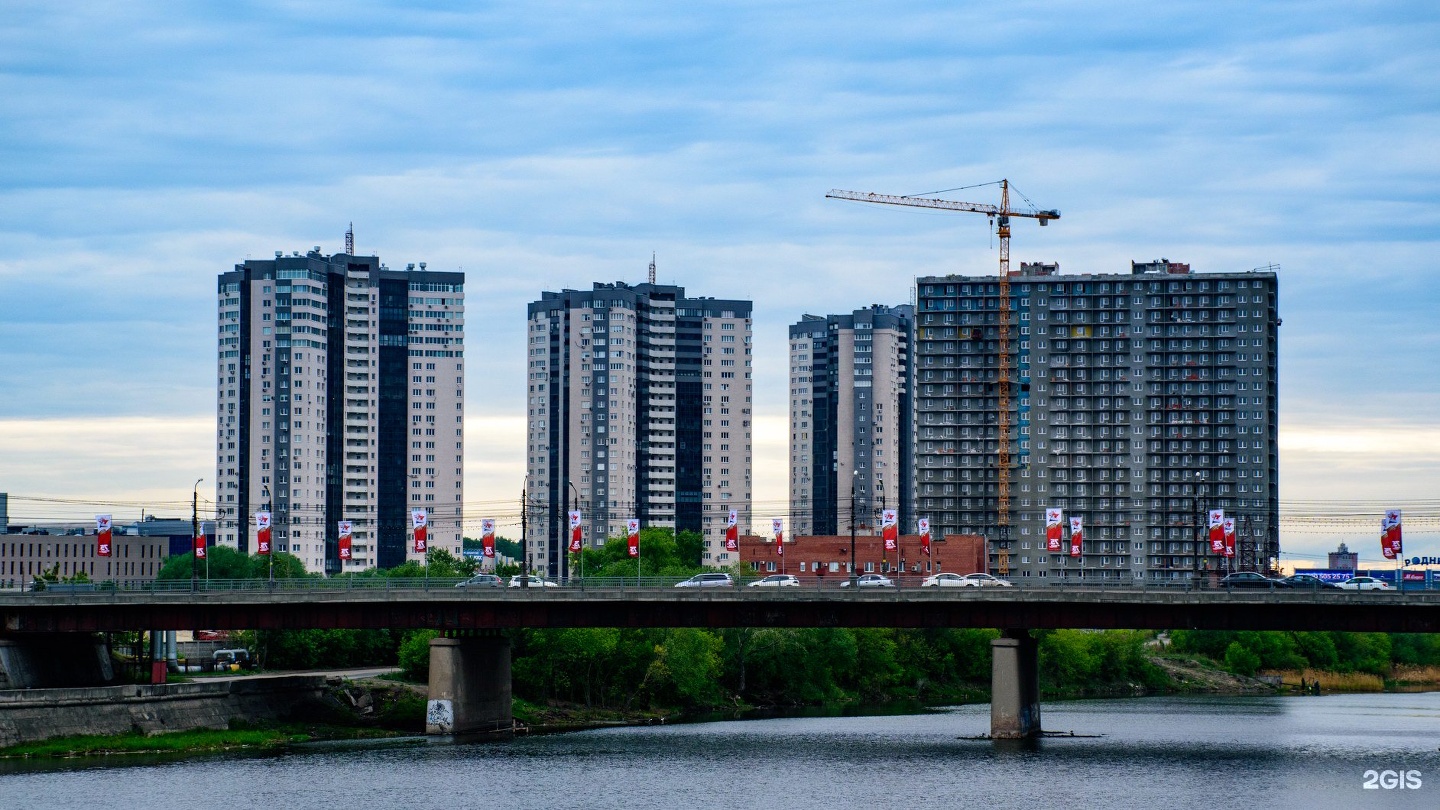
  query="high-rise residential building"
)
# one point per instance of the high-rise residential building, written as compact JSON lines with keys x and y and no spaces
{"x":1138,"y":402}
{"x":639,"y":407}
{"x":851,"y":431}
{"x":341,"y":397}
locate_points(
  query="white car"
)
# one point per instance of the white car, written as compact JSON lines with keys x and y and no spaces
{"x":777,"y":581}
{"x":945,"y":580}
{"x":871,"y":581}
{"x":1365,"y":584}
{"x":712,"y":579}
{"x":535,"y":582}
{"x":985,"y":581}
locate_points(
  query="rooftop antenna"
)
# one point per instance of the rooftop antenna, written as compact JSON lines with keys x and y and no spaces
{"x":652,"y":267}
{"x":350,"y":240}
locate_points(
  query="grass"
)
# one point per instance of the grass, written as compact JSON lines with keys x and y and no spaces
{"x":186,"y":742}
{"x":1417,"y":676}
{"x":1333,"y":681}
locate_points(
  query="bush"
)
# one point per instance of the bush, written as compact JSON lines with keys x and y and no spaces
{"x":414,"y":655}
{"x":1240,"y":660}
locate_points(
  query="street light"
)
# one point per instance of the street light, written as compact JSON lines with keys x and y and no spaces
{"x":854,"y":476}
{"x":194,"y":535}
{"x":571,"y":484}
{"x":271,"y":552}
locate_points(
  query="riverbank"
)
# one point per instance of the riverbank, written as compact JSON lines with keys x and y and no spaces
{"x":193,"y":742}
{"x":377,"y":708}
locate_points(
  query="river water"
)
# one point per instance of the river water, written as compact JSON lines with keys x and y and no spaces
{"x":1290,"y":752}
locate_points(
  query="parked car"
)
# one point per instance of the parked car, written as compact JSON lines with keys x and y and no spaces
{"x":520,"y":581}
{"x":979,"y":580}
{"x":481,"y":581}
{"x":945,"y":580}
{"x":777,"y":581}
{"x":1310,"y":581}
{"x":871,"y":581}
{"x":1251,"y":579}
{"x":1364,"y":584}
{"x":709,"y":580}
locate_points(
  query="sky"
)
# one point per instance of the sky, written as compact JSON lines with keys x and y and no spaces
{"x":148,"y":147}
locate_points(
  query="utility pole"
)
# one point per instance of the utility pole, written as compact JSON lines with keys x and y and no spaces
{"x":576,"y":492}
{"x":855,"y":474}
{"x":271,"y":553}
{"x":194,"y":536}
{"x":524,"y":546}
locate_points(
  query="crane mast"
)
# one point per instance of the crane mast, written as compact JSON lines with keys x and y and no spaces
{"x":1001,"y":215}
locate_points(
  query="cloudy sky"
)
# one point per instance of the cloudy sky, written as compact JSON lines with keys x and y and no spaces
{"x":150,"y":146}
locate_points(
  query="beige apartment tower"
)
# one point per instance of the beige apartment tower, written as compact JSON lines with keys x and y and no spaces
{"x":639,"y":406}
{"x":340,"y":397}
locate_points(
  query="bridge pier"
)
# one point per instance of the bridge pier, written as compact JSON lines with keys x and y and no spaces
{"x":1014,"y":686}
{"x":469,"y":685}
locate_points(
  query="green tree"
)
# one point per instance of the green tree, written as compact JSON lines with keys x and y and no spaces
{"x":1240,"y":660}
{"x":442,"y":565}
{"x":227,"y":563}
{"x":685,"y":669}
{"x":414,"y":655}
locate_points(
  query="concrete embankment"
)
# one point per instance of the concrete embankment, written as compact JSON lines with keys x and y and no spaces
{"x":39,"y":714}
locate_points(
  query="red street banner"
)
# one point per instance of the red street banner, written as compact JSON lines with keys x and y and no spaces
{"x":262,"y":532}
{"x":1217,"y":531}
{"x":1390,"y":534}
{"x":1229,"y":537}
{"x":1053,"y":521}
{"x":777,"y":528}
{"x":923,"y":525}
{"x":418,"y":521}
{"x":890,"y":529}
{"x":1077,"y":536}
{"x":732,"y":532}
{"x":102,"y":535}
{"x":632,"y":536}
{"x":577,"y":532}
{"x":347,"y":531}
{"x":487,"y":538}
{"x":200,"y":547}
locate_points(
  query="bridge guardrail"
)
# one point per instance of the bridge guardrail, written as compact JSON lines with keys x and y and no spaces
{"x":625,"y":584}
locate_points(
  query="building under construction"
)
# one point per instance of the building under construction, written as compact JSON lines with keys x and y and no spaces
{"x":1138,"y":402}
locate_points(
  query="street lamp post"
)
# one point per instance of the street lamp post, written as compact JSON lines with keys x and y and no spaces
{"x":582,"y":543}
{"x":854,"y":475}
{"x":194,"y":535}
{"x":524,"y":545}
{"x":271,"y":553}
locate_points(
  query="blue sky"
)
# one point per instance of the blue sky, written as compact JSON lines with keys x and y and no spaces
{"x":149,"y":146}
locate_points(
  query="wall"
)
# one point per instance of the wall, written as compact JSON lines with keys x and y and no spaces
{"x":38,"y":714}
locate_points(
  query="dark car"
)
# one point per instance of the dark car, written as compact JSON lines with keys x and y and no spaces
{"x":1310,"y":581}
{"x":1250,"y":579}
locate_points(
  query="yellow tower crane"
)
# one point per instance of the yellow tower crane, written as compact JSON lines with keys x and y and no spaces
{"x":1000,"y":215}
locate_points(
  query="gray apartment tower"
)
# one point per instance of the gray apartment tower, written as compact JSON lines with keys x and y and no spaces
{"x":341,"y":397}
{"x":851,"y":419}
{"x":639,"y":407}
{"x":1139,"y":402}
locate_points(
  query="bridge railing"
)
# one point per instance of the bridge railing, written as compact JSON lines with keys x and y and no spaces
{"x":811,"y":582}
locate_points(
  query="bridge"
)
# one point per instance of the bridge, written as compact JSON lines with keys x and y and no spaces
{"x":470,"y":664}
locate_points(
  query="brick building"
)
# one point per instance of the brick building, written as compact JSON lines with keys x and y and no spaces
{"x":829,"y":555}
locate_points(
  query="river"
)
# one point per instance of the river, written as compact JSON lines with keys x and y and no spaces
{"x":1168,"y":752}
